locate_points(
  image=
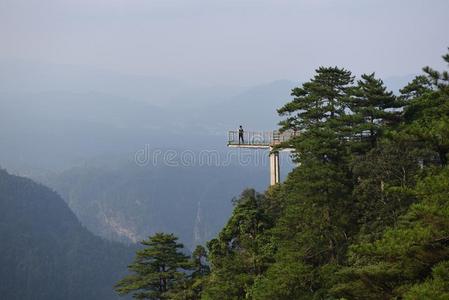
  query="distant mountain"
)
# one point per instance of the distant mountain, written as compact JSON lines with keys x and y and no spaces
{"x":129,"y":202}
{"x":53,"y":117}
{"x":45,"y":253}
{"x":58,"y":129}
{"x":254,"y":108}
{"x":30,"y":77}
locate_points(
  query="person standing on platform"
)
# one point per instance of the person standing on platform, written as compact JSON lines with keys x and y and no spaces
{"x":241,"y":135}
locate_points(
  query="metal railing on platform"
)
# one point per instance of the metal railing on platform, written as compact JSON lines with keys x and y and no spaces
{"x":259,"y":138}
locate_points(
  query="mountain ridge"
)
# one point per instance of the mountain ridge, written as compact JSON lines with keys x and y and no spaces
{"x":46,"y":253}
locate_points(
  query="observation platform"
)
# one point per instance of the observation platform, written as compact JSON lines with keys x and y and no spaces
{"x":259,"y":139}
{"x":264,"y":140}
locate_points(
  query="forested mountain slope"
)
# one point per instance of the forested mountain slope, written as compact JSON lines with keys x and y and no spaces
{"x":365,"y":215}
{"x":45,"y":253}
{"x":129,"y":202}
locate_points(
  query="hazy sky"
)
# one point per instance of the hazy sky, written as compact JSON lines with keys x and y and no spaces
{"x":227,"y":41}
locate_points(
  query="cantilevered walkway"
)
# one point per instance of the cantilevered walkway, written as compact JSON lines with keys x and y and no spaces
{"x":263,"y":140}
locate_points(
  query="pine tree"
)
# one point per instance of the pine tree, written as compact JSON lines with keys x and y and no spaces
{"x":156,"y":268}
{"x":238,"y":255}
{"x":318,"y":110}
{"x":419,"y":86}
{"x":192,"y":286}
{"x":314,"y":228}
{"x":354,"y":220}
{"x":418,"y":247}
{"x":427,"y":115}
{"x":322,"y":98}
{"x":373,"y":107}
{"x":410,"y":259}
{"x":199,"y":266}
{"x":385,"y":176}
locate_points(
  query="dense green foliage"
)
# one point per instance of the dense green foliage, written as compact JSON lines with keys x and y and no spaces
{"x":45,"y":253}
{"x":365,"y":215}
{"x":159,"y":271}
{"x":156,"y":268}
{"x":416,"y":249}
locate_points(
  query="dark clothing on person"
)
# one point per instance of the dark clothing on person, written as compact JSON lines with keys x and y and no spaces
{"x":241,"y":135}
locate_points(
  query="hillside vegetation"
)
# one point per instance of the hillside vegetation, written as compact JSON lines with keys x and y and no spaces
{"x":130,"y":202}
{"x":45,"y":253}
{"x":365,"y":215}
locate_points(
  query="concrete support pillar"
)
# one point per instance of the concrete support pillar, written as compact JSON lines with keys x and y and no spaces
{"x":274,"y":167}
